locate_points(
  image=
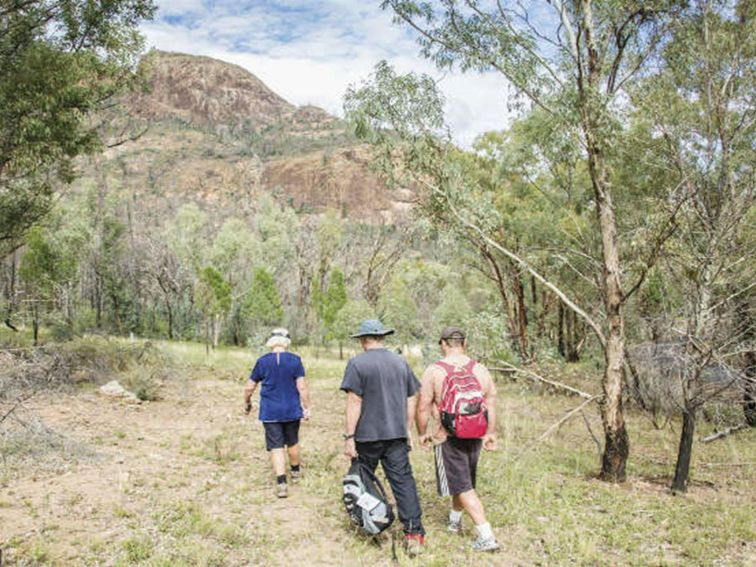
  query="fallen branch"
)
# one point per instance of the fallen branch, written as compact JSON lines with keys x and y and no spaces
{"x":593,"y":435}
{"x":19,"y":401}
{"x":538,"y":378}
{"x":746,"y":464}
{"x":724,"y":433}
{"x":557,"y":425}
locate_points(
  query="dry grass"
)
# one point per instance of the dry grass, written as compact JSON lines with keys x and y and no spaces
{"x":186,"y":481}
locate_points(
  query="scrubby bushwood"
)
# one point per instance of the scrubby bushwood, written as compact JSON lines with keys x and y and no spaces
{"x":701,"y":107}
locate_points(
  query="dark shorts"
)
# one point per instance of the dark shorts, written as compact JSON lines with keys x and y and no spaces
{"x":456,"y":465}
{"x":281,"y":433}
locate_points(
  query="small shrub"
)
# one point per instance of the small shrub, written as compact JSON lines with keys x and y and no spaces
{"x":137,"y":550}
{"x":143,"y":383}
{"x":60,"y":332}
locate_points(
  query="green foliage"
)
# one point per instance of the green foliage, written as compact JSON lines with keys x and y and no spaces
{"x":334,"y":300}
{"x":57,"y":64}
{"x":45,"y":265}
{"x":185,"y":236}
{"x":398,"y":309}
{"x":277,"y":227}
{"x":349,"y":317}
{"x":262,"y":306}
{"x":213,"y":293}
{"x":454,"y":309}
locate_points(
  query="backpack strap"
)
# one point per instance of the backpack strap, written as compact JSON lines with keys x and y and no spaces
{"x":449,"y":368}
{"x":371,"y":475}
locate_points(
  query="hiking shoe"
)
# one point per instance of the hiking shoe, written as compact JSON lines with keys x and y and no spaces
{"x":485,"y":544}
{"x":454,"y":527}
{"x":414,"y":543}
{"x":282,"y":491}
{"x":296,"y":476}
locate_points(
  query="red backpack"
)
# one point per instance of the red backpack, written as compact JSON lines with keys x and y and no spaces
{"x":463,"y":408}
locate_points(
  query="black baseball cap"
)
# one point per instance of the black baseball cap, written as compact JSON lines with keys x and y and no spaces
{"x":452,"y":333}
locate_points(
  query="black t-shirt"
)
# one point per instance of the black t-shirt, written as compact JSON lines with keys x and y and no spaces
{"x":384,"y":381}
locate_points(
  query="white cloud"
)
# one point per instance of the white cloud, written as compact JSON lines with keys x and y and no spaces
{"x":310,"y":51}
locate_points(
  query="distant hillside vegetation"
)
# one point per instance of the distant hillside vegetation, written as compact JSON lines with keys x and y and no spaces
{"x":217,"y":135}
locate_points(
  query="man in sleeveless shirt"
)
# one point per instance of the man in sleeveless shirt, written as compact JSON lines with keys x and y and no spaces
{"x":457,"y":459}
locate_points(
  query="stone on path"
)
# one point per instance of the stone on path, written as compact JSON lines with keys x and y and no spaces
{"x":115,"y":390}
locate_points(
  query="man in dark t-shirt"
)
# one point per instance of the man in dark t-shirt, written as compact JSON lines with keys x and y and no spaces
{"x":284,"y":401}
{"x":381,"y":398}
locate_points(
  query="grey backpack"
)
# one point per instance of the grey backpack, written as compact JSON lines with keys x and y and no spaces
{"x":365,"y":500}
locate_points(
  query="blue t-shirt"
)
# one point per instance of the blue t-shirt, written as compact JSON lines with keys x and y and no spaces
{"x":279,"y":397}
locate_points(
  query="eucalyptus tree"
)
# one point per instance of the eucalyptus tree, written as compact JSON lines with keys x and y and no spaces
{"x":59,"y":62}
{"x":234,"y":253}
{"x":575,"y":64}
{"x":213,"y":297}
{"x":348,"y":320}
{"x":46,"y":267}
{"x":700,"y":113}
{"x":262,"y":304}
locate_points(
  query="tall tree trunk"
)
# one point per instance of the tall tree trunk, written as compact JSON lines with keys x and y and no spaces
{"x":169,"y":310}
{"x":617,"y":446}
{"x":572,"y":353}
{"x":522,"y":315}
{"x":10,"y":292}
{"x":216,"y":331}
{"x":35,"y":322}
{"x":748,"y":330}
{"x":592,"y":110}
{"x":684,"y":452}
{"x":560,"y":329}
{"x":506,"y":299}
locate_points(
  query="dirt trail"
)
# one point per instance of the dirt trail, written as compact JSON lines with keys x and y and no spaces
{"x":186,"y":481}
{"x":193,"y":452}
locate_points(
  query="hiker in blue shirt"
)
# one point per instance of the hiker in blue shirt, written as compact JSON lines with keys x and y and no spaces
{"x":284,"y":401}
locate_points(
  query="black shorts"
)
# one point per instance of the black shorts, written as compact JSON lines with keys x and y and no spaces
{"x":281,"y":433}
{"x":456,"y":465}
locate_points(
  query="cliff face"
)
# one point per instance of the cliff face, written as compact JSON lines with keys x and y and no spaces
{"x":206,"y":92}
{"x":217,"y":135}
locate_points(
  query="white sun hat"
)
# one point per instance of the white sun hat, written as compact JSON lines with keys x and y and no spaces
{"x":278,"y":337}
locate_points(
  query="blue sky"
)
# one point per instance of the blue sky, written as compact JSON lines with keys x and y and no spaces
{"x":310,"y":51}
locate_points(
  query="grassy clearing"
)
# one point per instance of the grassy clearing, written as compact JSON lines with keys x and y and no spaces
{"x":188,"y":483}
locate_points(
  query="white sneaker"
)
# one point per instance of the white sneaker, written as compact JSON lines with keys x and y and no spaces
{"x":485,"y":544}
{"x":282,"y":491}
{"x":454,"y":527}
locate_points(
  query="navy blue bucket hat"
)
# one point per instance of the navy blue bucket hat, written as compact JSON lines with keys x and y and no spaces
{"x":372,"y":328}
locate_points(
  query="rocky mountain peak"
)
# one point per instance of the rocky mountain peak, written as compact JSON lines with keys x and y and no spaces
{"x":202,"y":91}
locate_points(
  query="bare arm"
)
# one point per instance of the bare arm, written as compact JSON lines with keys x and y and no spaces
{"x":249,"y":389}
{"x":424,"y":407}
{"x":411,"y":411}
{"x":353,"y":412}
{"x":304,"y":396}
{"x":489,"y":441}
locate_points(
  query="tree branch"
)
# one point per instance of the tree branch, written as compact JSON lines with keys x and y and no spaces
{"x":558,"y":292}
{"x":538,"y":378}
{"x":557,"y":425}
